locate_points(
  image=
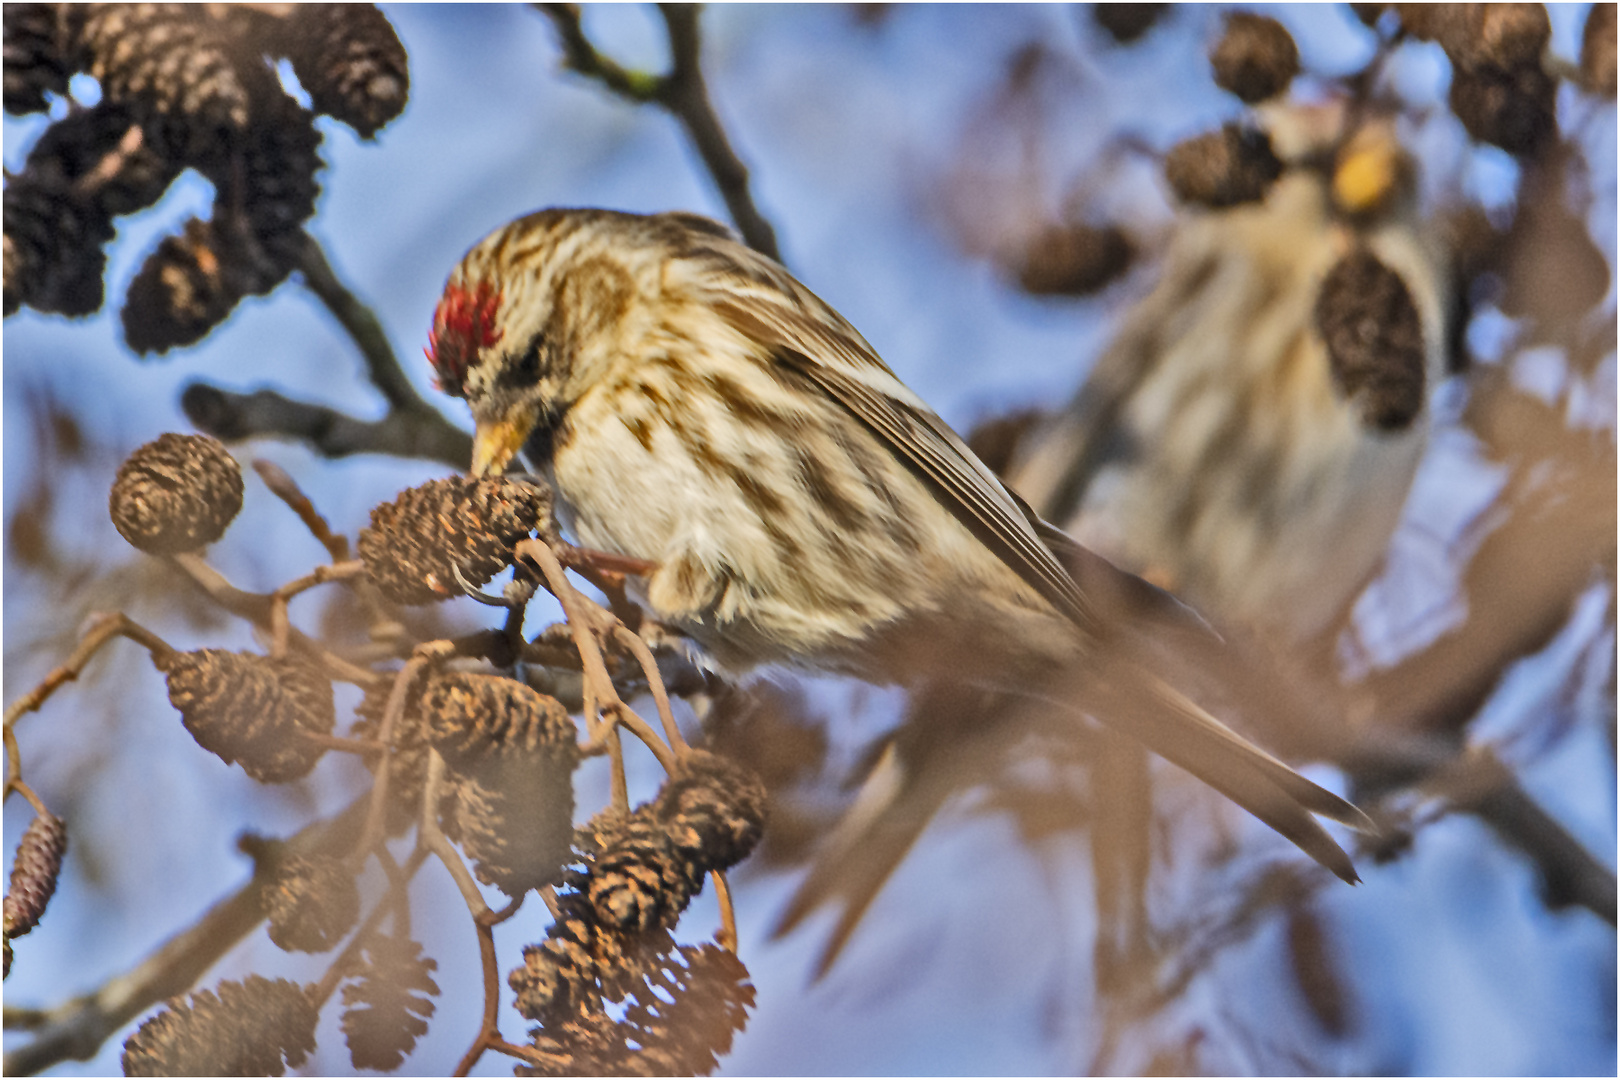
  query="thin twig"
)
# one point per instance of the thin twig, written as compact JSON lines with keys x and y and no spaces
{"x":256,"y":608}
{"x":321,"y":575}
{"x":395,"y":899}
{"x":727,"y":937}
{"x":655,"y":684}
{"x":412,"y":428}
{"x":684,"y":95}
{"x":362,"y":325}
{"x":285,"y":488}
{"x":392,"y":713}
{"x":431,"y":838}
{"x":103,"y":629}
{"x":587,"y":623}
{"x":76,"y":1029}
{"x":233,"y":417}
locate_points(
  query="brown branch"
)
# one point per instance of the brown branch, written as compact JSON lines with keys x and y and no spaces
{"x":256,"y":608}
{"x":285,"y":488}
{"x":382,"y":367}
{"x":233,"y":417}
{"x":395,"y":899}
{"x":280,"y":627}
{"x":102,"y":630}
{"x":412,"y":428}
{"x":76,"y":1029}
{"x":684,"y":95}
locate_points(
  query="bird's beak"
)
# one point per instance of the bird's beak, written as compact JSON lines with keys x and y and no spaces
{"x":497,"y":441}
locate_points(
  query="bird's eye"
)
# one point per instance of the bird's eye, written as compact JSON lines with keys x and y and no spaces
{"x":527,"y":369}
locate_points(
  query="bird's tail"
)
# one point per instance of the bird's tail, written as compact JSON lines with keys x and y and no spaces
{"x":1177,"y":728}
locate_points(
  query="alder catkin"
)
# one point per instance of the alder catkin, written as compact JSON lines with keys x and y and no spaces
{"x":415,"y":544}
{"x":176,"y":494}
{"x":1255,"y":59}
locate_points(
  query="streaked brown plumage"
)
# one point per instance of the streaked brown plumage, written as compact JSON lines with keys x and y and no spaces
{"x":698,"y":408}
{"x":1210,"y":446}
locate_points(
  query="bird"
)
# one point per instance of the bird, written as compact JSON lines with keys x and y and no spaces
{"x":1210,"y":447}
{"x":695,"y":407}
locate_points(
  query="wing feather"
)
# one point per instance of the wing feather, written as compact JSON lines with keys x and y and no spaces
{"x":847,"y":370}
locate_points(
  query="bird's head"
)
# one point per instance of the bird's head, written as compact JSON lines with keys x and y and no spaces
{"x":546,"y":307}
{"x":501,"y":337}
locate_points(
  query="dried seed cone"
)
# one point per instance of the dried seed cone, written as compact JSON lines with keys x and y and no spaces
{"x":709,"y":996}
{"x":470,"y":716}
{"x":176,"y":494}
{"x":1474,"y":35}
{"x":251,"y":709}
{"x":267,"y":192}
{"x":1074,"y":260}
{"x":188,"y":286}
{"x":1127,"y":23}
{"x":1597,"y":51}
{"x":638,"y":881}
{"x":34,"y":873}
{"x":1255,"y":59}
{"x":1515,"y":109}
{"x":414,"y":543}
{"x":257,"y":1027}
{"x":53,"y":249}
{"x":1222,"y":168}
{"x":558,"y":976}
{"x":313,"y":903}
{"x":36,"y":56}
{"x":351,"y":62}
{"x":682,"y":1010}
{"x":179,"y":71}
{"x":510,"y":753}
{"x":714,"y":809}
{"x":1374,"y":339}
{"x":102,"y":156}
{"x":386,"y":1010}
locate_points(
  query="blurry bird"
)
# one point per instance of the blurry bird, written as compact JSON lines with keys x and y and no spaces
{"x":1217,"y":446}
{"x":1221,"y":448}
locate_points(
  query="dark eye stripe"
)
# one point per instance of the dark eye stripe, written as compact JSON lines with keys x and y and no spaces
{"x":525,"y":368}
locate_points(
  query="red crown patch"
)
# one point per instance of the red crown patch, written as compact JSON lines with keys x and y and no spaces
{"x":463,"y":323}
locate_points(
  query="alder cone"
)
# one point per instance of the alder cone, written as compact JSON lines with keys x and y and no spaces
{"x":1255,"y":59}
{"x":510,"y":754}
{"x":415,"y":545}
{"x":1222,"y":168}
{"x":1374,"y":339}
{"x":36,"y":62}
{"x":251,"y":710}
{"x":176,"y":494}
{"x":351,"y":62}
{"x":256,"y":1027}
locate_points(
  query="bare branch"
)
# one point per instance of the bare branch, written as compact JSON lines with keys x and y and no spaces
{"x":76,"y":1029}
{"x":233,"y":417}
{"x":684,"y":94}
{"x":412,"y":428}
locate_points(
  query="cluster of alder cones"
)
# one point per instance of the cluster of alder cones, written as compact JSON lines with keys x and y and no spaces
{"x":1501,"y":91}
{"x":504,"y":794}
{"x":181,"y":86}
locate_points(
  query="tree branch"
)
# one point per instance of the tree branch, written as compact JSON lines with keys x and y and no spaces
{"x":77,"y":1028}
{"x":412,"y":428}
{"x":684,"y":95}
{"x":416,"y":433}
